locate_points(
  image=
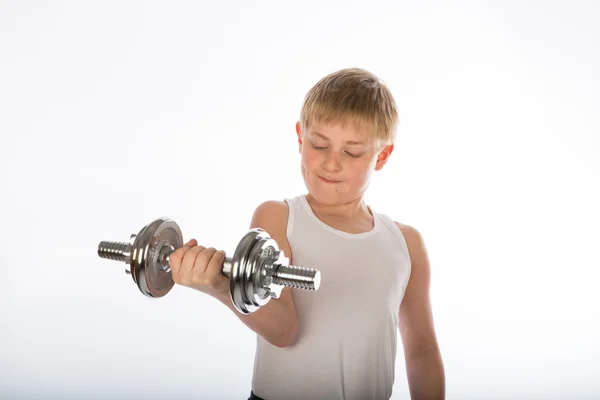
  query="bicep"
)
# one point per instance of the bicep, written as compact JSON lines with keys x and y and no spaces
{"x":416,"y":317}
{"x":271,"y":216}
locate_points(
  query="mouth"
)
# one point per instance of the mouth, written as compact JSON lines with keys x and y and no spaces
{"x":327,"y":180}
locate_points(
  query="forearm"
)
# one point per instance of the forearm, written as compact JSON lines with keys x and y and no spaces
{"x":426,"y":377}
{"x":273,"y":321}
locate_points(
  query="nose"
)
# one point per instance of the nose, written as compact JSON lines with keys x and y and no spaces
{"x":332,"y":162}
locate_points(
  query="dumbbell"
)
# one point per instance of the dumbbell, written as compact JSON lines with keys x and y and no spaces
{"x":257,"y":272}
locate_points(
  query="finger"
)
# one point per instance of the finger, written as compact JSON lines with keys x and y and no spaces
{"x":215,"y":266}
{"x":189,"y":259}
{"x":178,"y":253}
{"x":202,"y":260}
{"x":176,"y":257}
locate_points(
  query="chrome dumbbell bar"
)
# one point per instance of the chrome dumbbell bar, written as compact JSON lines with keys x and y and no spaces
{"x":257,"y":272}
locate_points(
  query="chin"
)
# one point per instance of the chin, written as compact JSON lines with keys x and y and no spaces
{"x":324,"y":194}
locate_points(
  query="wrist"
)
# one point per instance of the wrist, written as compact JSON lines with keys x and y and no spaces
{"x":224,"y":297}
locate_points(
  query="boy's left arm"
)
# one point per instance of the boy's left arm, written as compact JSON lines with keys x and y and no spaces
{"x":424,"y":366}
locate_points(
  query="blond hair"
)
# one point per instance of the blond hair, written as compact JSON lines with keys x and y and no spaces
{"x":353,"y":95}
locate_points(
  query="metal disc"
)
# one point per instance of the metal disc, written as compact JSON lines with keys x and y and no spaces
{"x":137,"y":256}
{"x":236,"y":284}
{"x":254,"y":277}
{"x":145,"y":266}
{"x":249,"y":272}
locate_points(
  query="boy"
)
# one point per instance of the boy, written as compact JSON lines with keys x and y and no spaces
{"x":340,"y":341}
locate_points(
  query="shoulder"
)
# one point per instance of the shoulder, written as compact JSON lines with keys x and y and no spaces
{"x":272,"y":208}
{"x":408,"y":230}
{"x":414,"y":242}
{"x":271,"y":215}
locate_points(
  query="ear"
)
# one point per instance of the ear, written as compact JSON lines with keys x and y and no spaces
{"x":299,"y":134}
{"x":383,"y":156}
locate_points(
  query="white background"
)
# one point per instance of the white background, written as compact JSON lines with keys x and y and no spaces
{"x":113,"y":114}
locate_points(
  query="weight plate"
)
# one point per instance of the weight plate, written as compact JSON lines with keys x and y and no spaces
{"x":263,"y":252}
{"x":145,"y":264}
{"x":238,"y":266}
{"x":137,"y":256}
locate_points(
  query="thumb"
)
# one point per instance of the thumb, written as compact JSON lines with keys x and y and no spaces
{"x":191,"y":243}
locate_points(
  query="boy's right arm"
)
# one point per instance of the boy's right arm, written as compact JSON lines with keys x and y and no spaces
{"x":276,"y":321}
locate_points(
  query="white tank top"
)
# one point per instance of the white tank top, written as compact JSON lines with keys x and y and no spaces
{"x":348,"y":329}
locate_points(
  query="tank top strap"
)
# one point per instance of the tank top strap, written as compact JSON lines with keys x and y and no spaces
{"x":293,"y":206}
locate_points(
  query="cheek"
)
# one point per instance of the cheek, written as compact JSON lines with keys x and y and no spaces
{"x":309,"y":158}
{"x":360,"y":171}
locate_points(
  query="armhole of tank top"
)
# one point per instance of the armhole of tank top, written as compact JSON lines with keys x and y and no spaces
{"x":403,"y":243}
{"x":290,"y":219}
{"x":399,"y":235}
{"x":290,"y":226}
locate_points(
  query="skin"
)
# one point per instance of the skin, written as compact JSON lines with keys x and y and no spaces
{"x":350,"y":164}
{"x":342,"y":206}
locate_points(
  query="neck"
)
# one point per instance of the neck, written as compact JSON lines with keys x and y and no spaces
{"x":351,"y":210}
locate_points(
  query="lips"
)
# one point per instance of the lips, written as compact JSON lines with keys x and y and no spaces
{"x":328,"y":180}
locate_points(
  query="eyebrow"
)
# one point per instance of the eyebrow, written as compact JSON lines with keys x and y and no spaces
{"x":347,"y":141}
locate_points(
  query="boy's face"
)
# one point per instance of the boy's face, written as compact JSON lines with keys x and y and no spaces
{"x":328,"y":152}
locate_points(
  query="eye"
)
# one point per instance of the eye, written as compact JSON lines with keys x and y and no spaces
{"x":323,"y":148}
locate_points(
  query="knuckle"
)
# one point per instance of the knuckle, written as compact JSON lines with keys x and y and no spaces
{"x":205,"y":281}
{"x":219,"y":257}
{"x":210,"y":281}
{"x":197,"y":280}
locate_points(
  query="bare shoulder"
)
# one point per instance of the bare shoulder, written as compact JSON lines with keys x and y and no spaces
{"x":408,"y":230}
{"x":414,"y":241}
{"x":272,"y":208}
{"x":272,"y":217}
